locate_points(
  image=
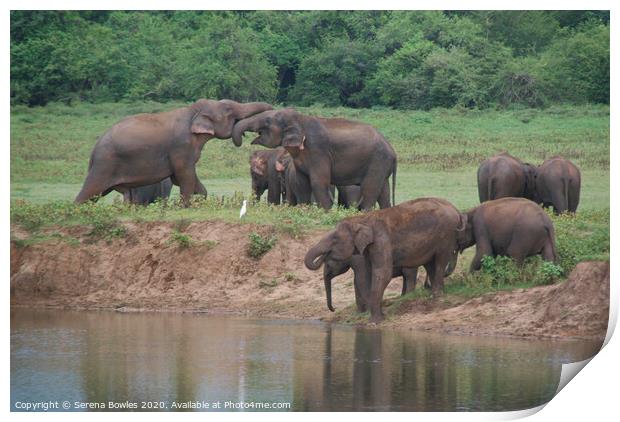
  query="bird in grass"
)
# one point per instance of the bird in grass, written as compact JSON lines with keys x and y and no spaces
{"x":244,"y":208}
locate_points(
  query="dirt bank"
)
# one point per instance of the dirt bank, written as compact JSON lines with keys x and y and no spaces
{"x":146,"y":270}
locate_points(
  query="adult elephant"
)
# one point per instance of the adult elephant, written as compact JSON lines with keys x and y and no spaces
{"x":558,"y":183}
{"x":333,"y":268}
{"x":422,"y":232}
{"x":265,"y":177}
{"x":146,"y":148}
{"x":148,"y":194}
{"x":327,"y":152}
{"x":504,"y":176}
{"x":514,"y":227}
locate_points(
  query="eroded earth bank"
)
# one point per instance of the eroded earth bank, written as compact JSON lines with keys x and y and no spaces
{"x":148,"y":270}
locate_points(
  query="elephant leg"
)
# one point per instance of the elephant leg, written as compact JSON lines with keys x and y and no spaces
{"x":359,"y":282}
{"x":410,"y":278}
{"x":371,"y":188}
{"x":95,"y":186}
{"x":558,"y":199}
{"x":483,"y":248}
{"x":303,"y":189}
{"x":435,"y":271}
{"x":187,"y":182}
{"x":384,"y":197}
{"x":573,"y":196}
{"x":515,"y":251}
{"x":199,"y":187}
{"x":380,"y":280}
{"x":321,"y":190}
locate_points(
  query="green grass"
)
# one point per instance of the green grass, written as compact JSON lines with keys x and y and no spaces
{"x":52,"y":144}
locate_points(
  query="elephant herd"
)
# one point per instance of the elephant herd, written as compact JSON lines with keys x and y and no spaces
{"x":308,"y":158}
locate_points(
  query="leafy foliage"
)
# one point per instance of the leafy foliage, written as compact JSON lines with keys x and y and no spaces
{"x":402,"y":59}
{"x":259,"y":245}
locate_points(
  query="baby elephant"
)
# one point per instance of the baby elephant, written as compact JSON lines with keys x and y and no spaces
{"x":422,"y":232}
{"x":514,"y":227}
{"x":148,"y":194}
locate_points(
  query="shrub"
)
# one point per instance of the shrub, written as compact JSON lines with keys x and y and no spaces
{"x":260,"y":245}
{"x":182,"y":240}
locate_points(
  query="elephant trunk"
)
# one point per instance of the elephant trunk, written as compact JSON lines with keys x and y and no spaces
{"x":328,"y":292}
{"x":316,"y":255}
{"x":242,"y":126}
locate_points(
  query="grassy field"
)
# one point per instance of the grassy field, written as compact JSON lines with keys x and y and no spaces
{"x":438,"y":152}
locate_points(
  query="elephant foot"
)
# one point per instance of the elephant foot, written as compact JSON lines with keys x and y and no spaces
{"x":376,"y":319}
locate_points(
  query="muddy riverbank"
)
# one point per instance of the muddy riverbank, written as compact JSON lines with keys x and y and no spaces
{"x":152,"y":270}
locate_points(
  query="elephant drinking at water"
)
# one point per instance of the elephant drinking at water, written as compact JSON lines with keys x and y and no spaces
{"x":422,"y":232}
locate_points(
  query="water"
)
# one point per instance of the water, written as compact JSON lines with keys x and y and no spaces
{"x":166,"y":358}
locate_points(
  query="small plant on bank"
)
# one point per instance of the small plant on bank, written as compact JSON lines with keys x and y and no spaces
{"x":182,"y":240}
{"x":260,"y":245}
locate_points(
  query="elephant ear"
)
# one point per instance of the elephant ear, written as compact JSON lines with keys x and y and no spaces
{"x":362,"y":237}
{"x":202,"y":126}
{"x":294,"y":141}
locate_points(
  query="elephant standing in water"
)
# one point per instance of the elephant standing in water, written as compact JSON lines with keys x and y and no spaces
{"x":558,"y":183}
{"x":514,"y":227}
{"x":148,"y":194}
{"x":504,"y":176}
{"x":146,"y":148}
{"x":422,"y":232}
{"x":327,"y":152}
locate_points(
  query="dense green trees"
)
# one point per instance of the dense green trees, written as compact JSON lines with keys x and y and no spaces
{"x":401,"y":59}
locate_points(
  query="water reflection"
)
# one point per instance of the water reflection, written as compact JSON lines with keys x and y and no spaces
{"x":105,"y":356}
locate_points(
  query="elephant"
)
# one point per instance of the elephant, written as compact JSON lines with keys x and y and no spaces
{"x":264,"y":175}
{"x":514,"y":227}
{"x":558,"y":183}
{"x":333,"y":268}
{"x":421,"y":232}
{"x":144,"y":149}
{"x":293,"y":192}
{"x":327,"y":152}
{"x":349,"y":195}
{"x":148,"y":194}
{"x":504,"y":176}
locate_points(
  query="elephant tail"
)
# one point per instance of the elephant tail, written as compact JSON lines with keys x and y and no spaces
{"x":394,"y":184}
{"x":551,"y":239}
{"x":490,"y":189}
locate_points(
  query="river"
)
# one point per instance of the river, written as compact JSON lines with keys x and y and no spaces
{"x":177,"y":361}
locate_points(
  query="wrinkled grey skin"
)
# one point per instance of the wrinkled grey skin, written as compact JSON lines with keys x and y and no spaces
{"x":145,"y":195}
{"x":558,"y":184}
{"x":503,"y":176}
{"x":147,"y":148}
{"x":265,"y":177}
{"x":327,"y":152}
{"x":333,"y":268}
{"x":514,"y":227}
{"x":422,"y":232}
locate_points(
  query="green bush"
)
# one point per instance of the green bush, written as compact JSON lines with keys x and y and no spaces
{"x":351,"y":58}
{"x":182,"y":240}
{"x":260,"y":245}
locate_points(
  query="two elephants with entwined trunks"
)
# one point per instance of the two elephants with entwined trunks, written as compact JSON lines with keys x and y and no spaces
{"x":308,"y":158}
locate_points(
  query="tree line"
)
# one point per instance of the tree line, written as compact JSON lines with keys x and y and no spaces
{"x":399,"y":59}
